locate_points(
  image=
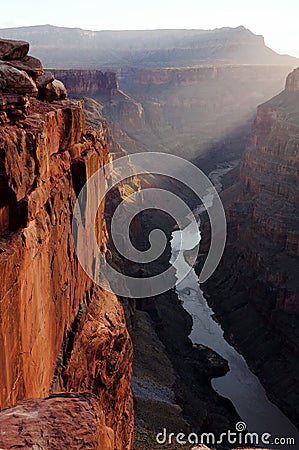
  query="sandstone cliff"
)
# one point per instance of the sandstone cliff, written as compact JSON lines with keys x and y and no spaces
{"x":58,"y":331}
{"x":256,"y":284}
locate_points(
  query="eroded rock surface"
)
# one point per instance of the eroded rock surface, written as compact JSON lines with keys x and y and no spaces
{"x":10,"y":49}
{"x":122,"y":109}
{"x":58,"y":331}
{"x":62,"y":421}
{"x":19,"y":74}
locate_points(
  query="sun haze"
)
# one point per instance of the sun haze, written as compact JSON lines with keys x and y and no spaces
{"x":276,"y":21}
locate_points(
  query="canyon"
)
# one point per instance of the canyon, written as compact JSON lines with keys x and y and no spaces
{"x":68,"y":343}
{"x":66,"y":351}
{"x":202,"y":113}
{"x":256,"y":283}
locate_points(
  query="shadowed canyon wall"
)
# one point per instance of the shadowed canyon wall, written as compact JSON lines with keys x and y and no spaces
{"x":200,"y":112}
{"x":256,"y":284}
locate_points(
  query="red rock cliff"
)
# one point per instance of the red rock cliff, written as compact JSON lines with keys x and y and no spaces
{"x":58,"y":331}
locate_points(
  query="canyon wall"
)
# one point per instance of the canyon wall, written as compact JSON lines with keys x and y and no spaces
{"x":58,"y":330}
{"x":122,"y":111}
{"x":202,"y":113}
{"x":256,"y":285}
{"x":181,"y":76}
{"x":92,"y":81}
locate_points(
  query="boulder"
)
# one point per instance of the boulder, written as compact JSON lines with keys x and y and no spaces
{"x":10,"y":49}
{"x":29,"y":64}
{"x":60,"y":87}
{"x":44,"y":79}
{"x":62,"y":421}
{"x":13,"y":80}
{"x":52,"y":91}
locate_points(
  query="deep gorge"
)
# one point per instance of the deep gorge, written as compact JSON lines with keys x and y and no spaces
{"x":68,"y":343}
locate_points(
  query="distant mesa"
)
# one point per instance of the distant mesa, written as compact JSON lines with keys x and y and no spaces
{"x":74,"y":48}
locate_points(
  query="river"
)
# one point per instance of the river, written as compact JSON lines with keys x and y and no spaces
{"x":239,"y":385}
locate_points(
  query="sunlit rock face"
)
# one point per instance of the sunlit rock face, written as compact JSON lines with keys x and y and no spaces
{"x":58,"y":330}
{"x":22,"y":77}
{"x":46,"y":424}
{"x":92,"y":81}
{"x":122,"y":109}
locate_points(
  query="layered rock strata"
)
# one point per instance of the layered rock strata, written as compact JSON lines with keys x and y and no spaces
{"x":202,"y":112}
{"x":45,"y":424}
{"x":21,"y":77}
{"x":256,"y":285}
{"x":58,"y":331}
{"x":121,"y":109}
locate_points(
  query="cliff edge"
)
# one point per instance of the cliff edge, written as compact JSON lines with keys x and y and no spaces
{"x":58,"y":331}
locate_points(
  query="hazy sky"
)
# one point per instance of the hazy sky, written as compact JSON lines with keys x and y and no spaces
{"x":276,"y":20}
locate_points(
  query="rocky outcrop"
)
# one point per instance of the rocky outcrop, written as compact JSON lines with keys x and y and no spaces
{"x":100,"y":362}
{"x":20,"y":79}
{"x":255,"y":291}
{"x":46,"y":297}
{"x":10,"y":49}
{"x":45,"y":424}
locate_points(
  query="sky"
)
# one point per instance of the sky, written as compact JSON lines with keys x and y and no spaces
{"x":276,"y":20}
